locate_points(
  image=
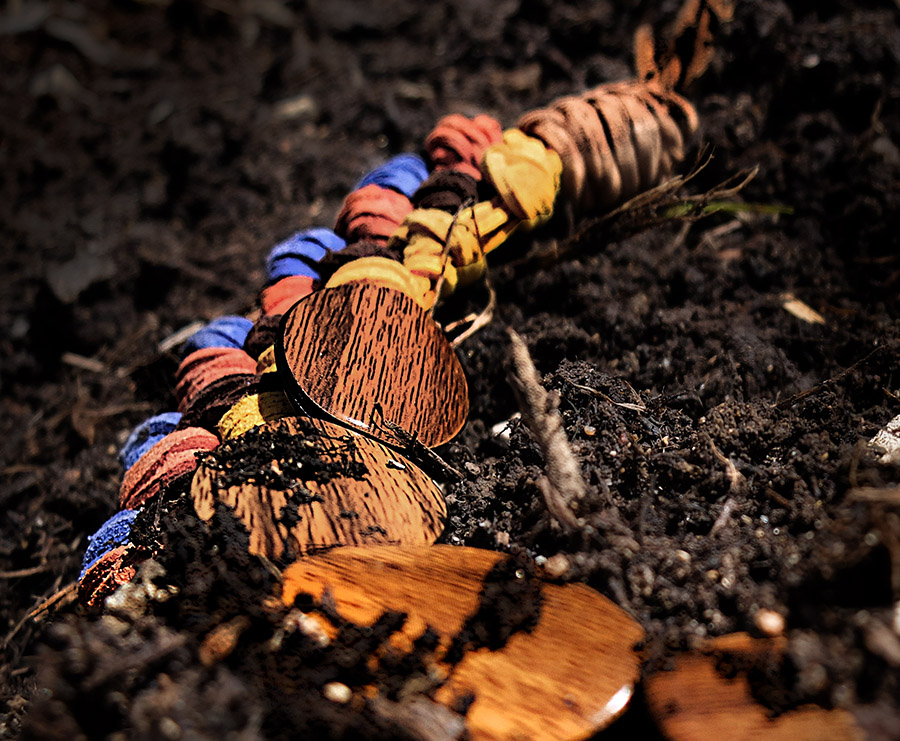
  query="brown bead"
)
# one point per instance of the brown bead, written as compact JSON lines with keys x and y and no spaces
{"x":446,"y":190}
{"x":615,"y":141}
{"x":566,"y":677}
{"x":371,"y":358}
{"x":207,"y":407}
{"x":362,"y":493}
{"x":108,"y":573}
{"x":262,"y":335}
{"x":696,"y":700}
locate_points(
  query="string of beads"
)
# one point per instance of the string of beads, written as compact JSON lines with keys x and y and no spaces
{"x":407,"y":229}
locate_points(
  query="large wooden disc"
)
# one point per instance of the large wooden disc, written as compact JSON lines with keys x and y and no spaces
{"x":566,"y":679}
{"x":387,"y":500}
{"x":695,"y":701}
{"x":366,"y":355}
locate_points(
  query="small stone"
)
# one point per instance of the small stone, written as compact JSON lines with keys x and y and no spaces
{"x":312,"y":626}
{"x":59,"y":83}
{"x":501,"y":430}
{"x":556,"y":566}
{"x":769,"y":622}
{"x":169,"y":728}
{"x":298,"y":107}
{"x":337,"y":692}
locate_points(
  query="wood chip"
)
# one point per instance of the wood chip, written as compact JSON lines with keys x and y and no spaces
{"x":174,"y":340}
{"x":88,"y":364}
{"x":803,"y":312}
{"x":888,"y":441}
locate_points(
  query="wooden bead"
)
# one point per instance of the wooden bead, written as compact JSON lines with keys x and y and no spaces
{"x":203,"y":367}
{"x":172,"y":457}
{"x":108,"y":573}
{"x":368,"y":357}
{"x":382,"y":499}
{"x":566,"y":678}
{"x":695,"y":700}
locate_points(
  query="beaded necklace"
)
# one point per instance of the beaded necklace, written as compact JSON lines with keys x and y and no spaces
{"x":321,"y":368}
{"x":597,"y":149}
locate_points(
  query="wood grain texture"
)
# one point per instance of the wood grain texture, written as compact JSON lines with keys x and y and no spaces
{"x":392,"y":502}
{"x":566,"y":679}
{"x":694,"y":701}
{"x":346,"y":350}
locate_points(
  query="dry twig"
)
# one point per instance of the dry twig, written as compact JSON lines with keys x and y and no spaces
{"x":790,"y":401}
{"x":482,"y":319}
{"x":445,"y":255}
{"x":736,"y":481}
{"x":563,"y":486}
{"x":58,"y":599}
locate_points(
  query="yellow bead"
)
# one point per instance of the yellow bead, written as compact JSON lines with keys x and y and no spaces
{"x":265,"y":363}
{"x":385,"y":272}
{"x":252,"y":411}
{"x":526,"y":175}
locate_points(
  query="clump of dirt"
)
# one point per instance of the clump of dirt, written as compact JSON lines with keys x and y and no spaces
{"x":510,"y":601}
{"x":272,"y":456}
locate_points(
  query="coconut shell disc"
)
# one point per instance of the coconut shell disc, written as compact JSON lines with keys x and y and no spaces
{"x":707,"y":695}
{"x":567,"y":678}
{"x":369,"y":357}
{"x":300,"y":485}
{"x":108,"y":573}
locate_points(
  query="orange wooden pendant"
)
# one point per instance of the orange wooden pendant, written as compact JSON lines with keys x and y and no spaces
{"x":567,"y":678}
{"x":349,"y":490}
{"x":369,"y":357}
{"x":696,"y":701}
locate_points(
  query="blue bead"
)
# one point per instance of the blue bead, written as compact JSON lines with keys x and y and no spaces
{"x":226,"y":331}
{"x":146,"y":435}
{"x":114,"y":532}
{"x":289,"y":266}
{"x":403,"y":173}
{"x":298,"y":254}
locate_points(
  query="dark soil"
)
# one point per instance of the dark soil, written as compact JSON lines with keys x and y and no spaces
{"x":148,"y":164}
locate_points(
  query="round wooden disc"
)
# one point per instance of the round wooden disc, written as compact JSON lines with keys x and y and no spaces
{"x":369,"y":357}
{"x":567,"y":678}
{"x":393,"y":501}
{"x":695,"y":701}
